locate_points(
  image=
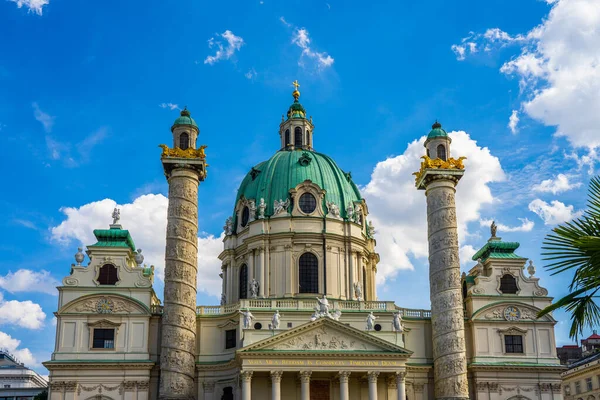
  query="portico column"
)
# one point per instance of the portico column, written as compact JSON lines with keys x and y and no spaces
{"x":229,"y":283}
{"x":261,"y":272}
{"x":276,"y":385}
{"x":305,"y":385}
{"x":246,"y":385}
{"x":344,"y":377}
{"x":401,"y":384}
{"x":373,"y":384}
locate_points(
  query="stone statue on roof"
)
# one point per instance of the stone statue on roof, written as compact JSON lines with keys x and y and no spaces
{"x":116,"y":215}
{"x":493,"y":229}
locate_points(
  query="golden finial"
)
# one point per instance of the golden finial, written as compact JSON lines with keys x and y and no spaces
{"x":296,"y":93}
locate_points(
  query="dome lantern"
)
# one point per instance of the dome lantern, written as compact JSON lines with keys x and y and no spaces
{"x":185,"y":131}
{"x":438,"y":142}
{"x":296,"y":131}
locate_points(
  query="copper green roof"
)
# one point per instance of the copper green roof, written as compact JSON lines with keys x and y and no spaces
{"x":272,"y":179}
{"x":496,"y":248}
{"x":185,"y":118}
{"x":113,"y":237}
{"x":436,"y":131}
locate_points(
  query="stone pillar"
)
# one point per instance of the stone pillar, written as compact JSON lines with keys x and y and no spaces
{"x":261,"y":272}
{"x":178,"y":347}
{"x":373,"y":384}
{"x":344,"y":377}
{"x":276,"y":385}
{"x":229,"y":288}
{"x":305,"y":385}
{"x":449,"y":351}
{"x":401,"y":383}
{"x":246,"y":377}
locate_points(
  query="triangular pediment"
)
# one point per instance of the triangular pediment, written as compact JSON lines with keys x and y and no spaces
{"x":325,"y":335}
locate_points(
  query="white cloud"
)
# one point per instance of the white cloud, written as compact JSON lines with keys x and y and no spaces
{"x":146,"y":220}
{"x":466,"y":253}
{"x":526,"y":225}
{"x":25,"y":314}
{"x":513,"y":121}
{"x":558,"y":69}
{"x":21,"y":354}
{"x":170,"y":106}
{"x":398,"y":209}
{"x":34,"y":6}
{"x":251,"y":74}
{"x":283,"y":21}
{"x":25,"y":280}
{"x":557,"y":185}
{"x":44,"y":118}
{"x":301,"y":39}
{"x":234,"y":43}
{"x":554,"y":213}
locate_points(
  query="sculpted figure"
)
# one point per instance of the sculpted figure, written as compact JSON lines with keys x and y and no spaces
{"x":261,"y":208}
{"x":371,"y":229}
{"x":323,"y":306}
{"x":358,"y":291}
{"x":371,"y":321}
{"x":223,"y":299}
{"x":252,"y":208}
{"x":254,"y":286}
{"x":358,"y":214}
{"x":275,"y":320}
{"x":116,"y":215}
{"x":493,"y":229}
{"x":280,"y":206}
{"x":350,"y":212}
{"x":228,"y":227}
{"x":333,"y":209}
{"x":397,"y":322}
{"x":247,"y":322}
{"x":315,"y":315}
{"x":336,"y":314}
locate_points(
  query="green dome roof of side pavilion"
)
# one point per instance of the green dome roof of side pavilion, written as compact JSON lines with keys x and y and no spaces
{"x":273,"y":179}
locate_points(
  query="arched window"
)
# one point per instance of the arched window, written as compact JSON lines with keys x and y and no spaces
{"x":508,"y":284}
{"x":287,"y":138}
{"x":308,"y":273}
{"x":244,"y":281}
{"x":298,"y":136}
{"x":108,"y":275}
{"x":245,"y":216}
{"x":464,"y":289}
{"x":441,"y":152}
{"x":184,"y":141}
{"x":307,"y":138}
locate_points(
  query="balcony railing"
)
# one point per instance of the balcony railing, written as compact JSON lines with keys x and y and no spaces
{"x":303,"y":305}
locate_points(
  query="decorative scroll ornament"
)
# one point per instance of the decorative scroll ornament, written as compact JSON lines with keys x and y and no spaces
{"x":105,"y":306}
{"x":305,"y":159}
{"x":438,"y":163}
{"x":179,"y":153}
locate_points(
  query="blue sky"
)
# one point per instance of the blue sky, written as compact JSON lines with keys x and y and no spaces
{"x":88,"y":90}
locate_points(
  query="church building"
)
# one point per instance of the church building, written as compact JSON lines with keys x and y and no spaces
{"x":299,"y":316}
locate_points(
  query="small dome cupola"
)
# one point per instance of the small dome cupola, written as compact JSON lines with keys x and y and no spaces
{"x":438,"y":143}
{"x":296,"y":131}
{"x":185,"y":131}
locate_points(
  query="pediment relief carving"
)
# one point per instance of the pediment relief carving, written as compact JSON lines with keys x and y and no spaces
{"x":510,"y":312}
{"x":103,"y":304}
{"x":324,"y":338}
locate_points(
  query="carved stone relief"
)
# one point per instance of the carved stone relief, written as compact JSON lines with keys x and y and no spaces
{"x":324,"y":338}
{"x":107,"y":304}
{"x":521,"y":313}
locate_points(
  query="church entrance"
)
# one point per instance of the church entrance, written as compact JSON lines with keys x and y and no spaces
{"x":319,"y":390}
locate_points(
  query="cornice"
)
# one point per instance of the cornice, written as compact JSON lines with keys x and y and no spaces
{"x":98,"y":364}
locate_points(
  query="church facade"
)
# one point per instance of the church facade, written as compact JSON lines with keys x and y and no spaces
{"x":299,"y":316}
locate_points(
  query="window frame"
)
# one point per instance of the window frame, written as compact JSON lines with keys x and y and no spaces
{"x":245,"y":215}
{"x":306,"y":195}
{"x":298,"y":134}
{"x":228,"y":340}
{"x":499,"y":282}
{"x":444,"y":152}
{"x":243,"y":281}
{"x":104,"y":339}
{"x":513,"y":331}
{"x":103,"y":324}
{"x":514,"y":346}
{"x":99,"y":272}
{"x":286,"y":138}
{"x":577,"y":387}
{"x":311,"y":273}
{"x":187,"y":137}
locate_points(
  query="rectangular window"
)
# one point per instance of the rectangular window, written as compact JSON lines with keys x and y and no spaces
{"x":230,"y":338}
{"x":513,"y":343}
{"x":6,"y":386}
{"x":588,"y":384}
{"x":577,"y":387}
{"x":104,"y":339}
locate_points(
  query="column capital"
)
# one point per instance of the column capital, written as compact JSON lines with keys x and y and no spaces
{"x":304,"y":376}
{"x":246,"y":376}
{"x":400,"y":375}
{"x":391,"y":382}
{"x":372,"y":375}
{"x":343,"y":376}
{"x":276,"y":376}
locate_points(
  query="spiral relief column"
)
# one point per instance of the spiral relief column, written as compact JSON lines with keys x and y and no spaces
{"x":438,"y":177}
{"x":184,"y":169}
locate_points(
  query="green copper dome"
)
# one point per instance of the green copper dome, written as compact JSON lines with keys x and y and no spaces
{"x":184,"y":119}
{"x":273,"y":179}
{"x":436,"y":131}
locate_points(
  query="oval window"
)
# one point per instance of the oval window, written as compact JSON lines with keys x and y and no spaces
{"x":307,"y":203}
{"x":245,"y":216}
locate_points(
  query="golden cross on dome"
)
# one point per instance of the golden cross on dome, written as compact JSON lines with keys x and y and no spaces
{"x":296,"y":84}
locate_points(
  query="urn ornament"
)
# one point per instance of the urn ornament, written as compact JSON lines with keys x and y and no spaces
{"x":139,"y":257}
{"x":79,"y":256}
